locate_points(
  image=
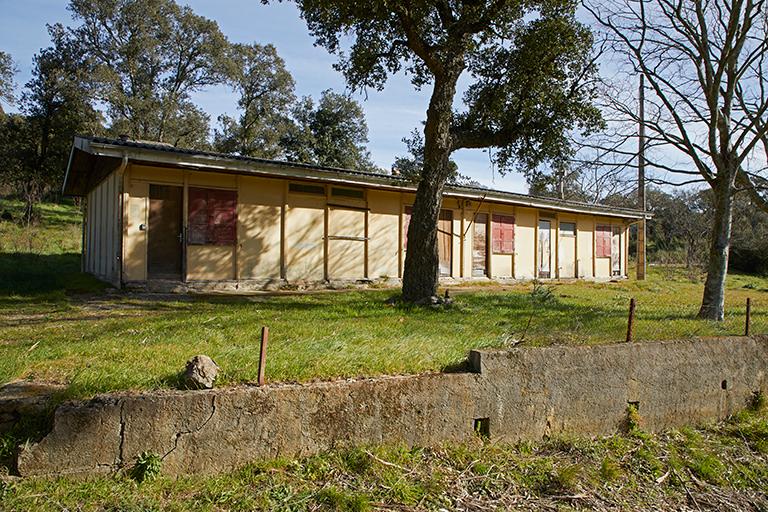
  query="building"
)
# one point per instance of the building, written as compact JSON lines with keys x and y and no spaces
{"x":161,"y":216}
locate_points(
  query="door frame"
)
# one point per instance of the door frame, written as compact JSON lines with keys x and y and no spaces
{"x":488,"y":220}
{"x":560,"y":245}
{"x":182,"y":222}
{"x":450,"y":239}
{"x":539,"y":258}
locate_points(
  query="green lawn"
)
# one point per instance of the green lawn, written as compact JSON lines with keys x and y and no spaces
{"x":62,"y":326}
{"x":719,"y":467}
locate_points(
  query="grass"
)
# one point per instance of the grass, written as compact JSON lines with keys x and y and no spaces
{"x":719,"y":467}
{"x":62,"y":326}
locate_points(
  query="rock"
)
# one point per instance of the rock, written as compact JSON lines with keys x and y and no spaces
{"x":428,"y":301}
{"x":200,"y":373}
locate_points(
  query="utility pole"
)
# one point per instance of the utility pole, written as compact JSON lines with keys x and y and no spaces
{"x":641,"y":230}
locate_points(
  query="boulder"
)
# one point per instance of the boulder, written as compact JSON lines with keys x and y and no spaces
{"x":200,"y":373}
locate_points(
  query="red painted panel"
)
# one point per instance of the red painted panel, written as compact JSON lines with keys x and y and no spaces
{"x":212,"y":217}
{"x":503,"y":234}
{"x":603,"y":241}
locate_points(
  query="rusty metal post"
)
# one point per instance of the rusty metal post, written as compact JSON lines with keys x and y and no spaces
{"x":749,"y":317}
{"x":631,"y":321}
{"x":263,"y":354}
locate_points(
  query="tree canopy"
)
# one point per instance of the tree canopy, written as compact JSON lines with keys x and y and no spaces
{"x":266,"y":89}
{"x":55,"y":104}
{"x":332,"y":133}
{"x":147,"y":57}
{"x":7,"y":82}
{"x":528,"y":66}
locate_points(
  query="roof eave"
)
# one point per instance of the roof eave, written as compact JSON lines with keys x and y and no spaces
{"x":206,"y":162}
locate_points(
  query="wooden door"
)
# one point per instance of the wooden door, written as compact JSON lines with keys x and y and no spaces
{"x":567,"y":248}
{"x":445,"y":241}
{"x":480,"y":246}
{"x":164,"y":235}
{"x":545,"y":249}
{"x":616,"y":251}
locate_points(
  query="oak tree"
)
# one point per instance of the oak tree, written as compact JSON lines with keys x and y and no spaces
{"x":527,"y":70}
{"x":332,"y":133}
{"x":266,"y":95}
{"x":147,"y":58}
{"x":55,"y":105}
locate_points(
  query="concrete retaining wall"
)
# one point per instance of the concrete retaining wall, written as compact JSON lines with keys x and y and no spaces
{"x":524,"y":393}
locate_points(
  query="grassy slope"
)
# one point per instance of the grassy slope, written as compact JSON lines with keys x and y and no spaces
{"x":101,"y":341}
{"x":721,"y":467}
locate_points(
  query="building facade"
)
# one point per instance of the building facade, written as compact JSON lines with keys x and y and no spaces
{"x":157,"y":214}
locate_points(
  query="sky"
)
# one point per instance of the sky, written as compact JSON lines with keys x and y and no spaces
{"x":391,"y":114}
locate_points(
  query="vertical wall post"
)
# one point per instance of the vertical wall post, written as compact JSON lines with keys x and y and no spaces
{"x":263,"y":355}
{"x":749,"y":317}
{"x":631,"y":321}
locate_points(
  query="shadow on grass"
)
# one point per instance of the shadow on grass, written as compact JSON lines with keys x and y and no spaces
{"x":31,"y":274}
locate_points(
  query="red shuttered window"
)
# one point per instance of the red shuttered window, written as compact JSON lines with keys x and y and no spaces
{"x":212,"y":217}
{"x":603,"y":241}
{"x":503,"y":234}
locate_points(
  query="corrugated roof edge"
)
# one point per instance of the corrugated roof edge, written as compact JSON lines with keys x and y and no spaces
{"x":396,"y":180}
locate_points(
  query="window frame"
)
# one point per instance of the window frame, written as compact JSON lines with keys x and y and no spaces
{"x":212,"y":228}
{"x":507,"y":224}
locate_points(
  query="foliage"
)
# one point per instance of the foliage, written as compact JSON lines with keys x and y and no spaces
{"x":749,"y":244}
{"x":7,"y":84}
{"x":409,"y":167}
{"x":56,"y":105}
{"x":331,"y":134}
{"x":147,"y":468}
{"x":707,"y":75}
{"x":146,"y":58}
{"x":680,"y":221}
{"x":528,"y":66}
{"x":265,"y":86}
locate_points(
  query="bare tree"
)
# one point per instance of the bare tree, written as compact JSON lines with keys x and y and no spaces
{"x":705,"y":65}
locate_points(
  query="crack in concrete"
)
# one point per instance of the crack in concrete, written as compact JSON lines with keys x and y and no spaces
{"x":120,"y":460}
{"x":194,"y":431}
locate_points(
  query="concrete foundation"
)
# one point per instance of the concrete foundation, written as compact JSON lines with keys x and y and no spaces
{"x":524,"y":393}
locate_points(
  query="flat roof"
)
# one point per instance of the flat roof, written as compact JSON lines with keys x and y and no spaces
{"x":93,"y":158}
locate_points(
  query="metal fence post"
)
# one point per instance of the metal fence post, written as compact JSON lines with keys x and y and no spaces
{"x":631,"y":321}
{"x":749,"y":317}
{"x":263,"y":354}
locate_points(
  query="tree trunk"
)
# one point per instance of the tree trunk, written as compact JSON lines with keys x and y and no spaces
{"x":422,"y":265}
{"x":713,"y":302}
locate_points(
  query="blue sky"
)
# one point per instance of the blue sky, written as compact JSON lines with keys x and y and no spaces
{"x":391,"y":114}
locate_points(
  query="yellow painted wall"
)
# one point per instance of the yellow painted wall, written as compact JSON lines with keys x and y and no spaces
{"x":525,"y":243}
{"x":346,"y":258}
{"x":162,"y":175}
{"x":210,"y":262}
{"x":213,"y":180}
{"x":259,"y":212}
{"x":134,"y":238}
{"x":304,"y":237}
{"x":585,"y":241}
{"x":566,"y":250}
{"x":383,"y":233}
{"x":305,"y":252}
{"x":603,"y":268}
